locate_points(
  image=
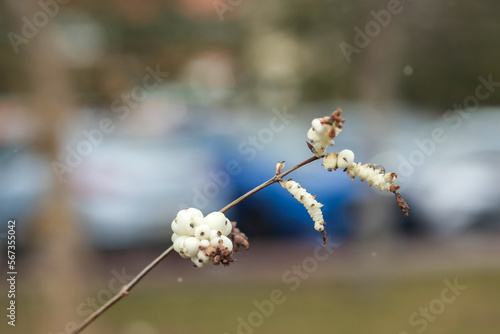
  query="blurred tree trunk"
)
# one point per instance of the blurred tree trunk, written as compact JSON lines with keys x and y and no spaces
{"x":381,"y":66}
{"x":379,"y":72}
{"x":59,"y":260}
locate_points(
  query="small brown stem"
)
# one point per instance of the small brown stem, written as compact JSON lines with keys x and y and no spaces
{"x":272,"y":180}
{"x":124,"y":291}
{"x":303,"y":163}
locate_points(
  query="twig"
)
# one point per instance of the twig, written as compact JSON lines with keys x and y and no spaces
{"x":124,"y":291}
{"x":272,"y":180}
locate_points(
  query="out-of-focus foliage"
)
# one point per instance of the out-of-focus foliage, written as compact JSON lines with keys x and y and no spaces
{"x":447,"y":43}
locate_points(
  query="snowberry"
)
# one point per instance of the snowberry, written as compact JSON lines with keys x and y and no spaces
{"x":194,"y":234}
{"x":204,"y":244}
{"x":216,"y":220}
{"x":227,"y":243}
{"x":179,"y":243}
{"x":317,"y":126}
{"x":202,"y":256}
{"x":330,"y":161}
{"x":180,"y":227}
{"x":374,"y":177}
{"x":198,"y":262}
{"x":186,"y":221}
{"x":190,"y":246}
{"x":215,"y":234}
{"x":313,"y":207}
{"x":323,"y":130}
{"x":228,"y":227}
{"x":202,"y":232}
{"x":345,"y":158}
{"x":216,"y":242}
{"x":174,"y":237}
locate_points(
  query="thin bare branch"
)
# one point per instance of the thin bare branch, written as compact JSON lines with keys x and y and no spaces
{"x":272,"y":180}
{"x":124,"y":291}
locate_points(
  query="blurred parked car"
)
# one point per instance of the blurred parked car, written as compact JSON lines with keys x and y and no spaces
{"x":450,"y":178}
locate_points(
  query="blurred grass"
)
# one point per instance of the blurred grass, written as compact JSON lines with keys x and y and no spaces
{"x":377,"y":306}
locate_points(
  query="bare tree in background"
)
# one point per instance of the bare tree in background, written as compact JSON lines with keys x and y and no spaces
{"x":57,"y":245}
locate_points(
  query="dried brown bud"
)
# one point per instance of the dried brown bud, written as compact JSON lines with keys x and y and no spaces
{"x":238,"y":238}
{"x":336,"y":119}
{"x":279,"y":167}
{"x":325,"y":239}
{"x":313,"y":150}
{"x":223,"y":256}
{"x":210,"y":251}
{"x":403,"y":206}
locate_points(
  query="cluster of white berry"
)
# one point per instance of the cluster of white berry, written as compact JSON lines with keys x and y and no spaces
{"x":196,"y":237}
{"x":309,"y":201}
{"x":373,"y":174}
{"x":341,"y":160}
{"x":322,"y":132}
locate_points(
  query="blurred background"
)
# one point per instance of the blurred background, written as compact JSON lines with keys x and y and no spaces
{"x":116,"y":115}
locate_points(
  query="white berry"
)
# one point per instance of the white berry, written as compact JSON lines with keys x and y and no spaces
{"x":179,"y":243}
{"x":191,"y":245}
{"x":202,"y":232}
{"x":345,"y":158}
{"x":216,"y":220}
